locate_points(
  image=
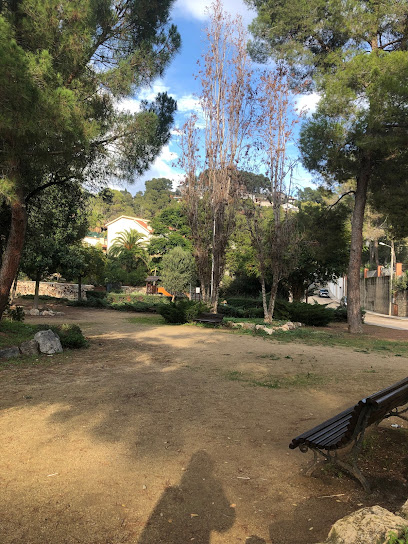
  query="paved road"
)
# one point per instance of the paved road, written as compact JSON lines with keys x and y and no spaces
{"x":371,"y":318}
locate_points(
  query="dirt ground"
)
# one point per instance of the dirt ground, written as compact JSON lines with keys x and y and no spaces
{"x":147,"y":437}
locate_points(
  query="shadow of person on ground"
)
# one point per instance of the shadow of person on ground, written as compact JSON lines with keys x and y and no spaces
{"x":190,"y":511}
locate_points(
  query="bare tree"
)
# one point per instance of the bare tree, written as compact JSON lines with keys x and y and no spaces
{"x":227,"y":103}
{"x":275,"y":240}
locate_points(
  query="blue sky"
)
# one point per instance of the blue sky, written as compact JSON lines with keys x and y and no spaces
{"x":190,"y":18}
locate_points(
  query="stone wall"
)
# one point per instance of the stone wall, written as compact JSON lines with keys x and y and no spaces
{"x":53,"y":289}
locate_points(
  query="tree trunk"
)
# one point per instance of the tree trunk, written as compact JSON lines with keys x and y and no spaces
{"x":12,"y":254}
{"x":355,"y":325}
{"x":79,"y":288}
{"x":264,"y":302}
{"x":37,"y":290}
{"x":274,"y":291}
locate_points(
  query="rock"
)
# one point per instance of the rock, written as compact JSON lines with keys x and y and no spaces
{"x":366,"y":526}
{"x":34,"y":311}
{"x":7,"y":353}
{"x":404,"y":510}
{"x":49,"y":342}
{"x":29,"y":348}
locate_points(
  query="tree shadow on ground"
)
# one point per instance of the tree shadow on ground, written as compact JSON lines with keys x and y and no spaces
{"x":190,"y":511}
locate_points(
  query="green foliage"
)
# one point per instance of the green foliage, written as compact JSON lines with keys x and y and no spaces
{"x":16,"y":314}
{"x":14,"y":333}
{"x":181,"y":311}
{"x":67,"y":64}
{"x":134,"y":307}
{"x":316,"y":315}
{"x":401,"y":282}
{"x":95,"y":294}
{"x":70,"y":335}
{"x":400,"y":538}
{"x":323,"y":251}
{"x":177,"y":271}
{"x":56,"y":219}
{"x":89,"y":303}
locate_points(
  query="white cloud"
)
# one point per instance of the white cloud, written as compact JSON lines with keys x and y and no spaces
{"x":188,"y":103}
{"x":307,"y":102}
{"x":128,"y":104}
{"x":150,"y":93}
{"x":197,"y":9}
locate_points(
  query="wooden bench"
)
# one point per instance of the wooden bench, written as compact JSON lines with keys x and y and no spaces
{"x":215,"y":319}
{"x":349,"y":427}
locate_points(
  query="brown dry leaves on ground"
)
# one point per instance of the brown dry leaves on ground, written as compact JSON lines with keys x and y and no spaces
{"x":163,"y":434}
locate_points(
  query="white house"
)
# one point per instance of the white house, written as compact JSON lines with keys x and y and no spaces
{"x":124,"y":222}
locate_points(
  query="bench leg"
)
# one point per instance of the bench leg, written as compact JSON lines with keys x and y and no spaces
{"x":352,"y":468}
{"x":354,"y":471}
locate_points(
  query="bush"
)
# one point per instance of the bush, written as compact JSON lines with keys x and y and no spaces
{"x":16,"y":314}
{"x":181,"y":311}
{"x":340,"y":314}
{"x":134,"y":307}
{"x":95,"y":294}
{"x":91,"y":303}
{"x":70,"y":335}
{"x":314,"y":315}
{"x":245,"y":302}
{"x":231,"y":311}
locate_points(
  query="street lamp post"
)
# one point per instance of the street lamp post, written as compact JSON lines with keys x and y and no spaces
{"x":391,"y":275}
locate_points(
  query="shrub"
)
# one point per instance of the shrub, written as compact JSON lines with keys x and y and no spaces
{"x":181,"y":311}
{"x":340,"y":314}
{"x":16,"y":314}
{"x":91,"y":303}
{"x":195,"y":309}
{"x":134,"y":306}
{"x":70,"y":335}
{"x":95,"y":294}
{"x":231,"y":311}
{"x":314,"y":315}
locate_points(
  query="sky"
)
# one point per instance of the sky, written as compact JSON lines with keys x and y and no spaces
{"x":179,"y":82}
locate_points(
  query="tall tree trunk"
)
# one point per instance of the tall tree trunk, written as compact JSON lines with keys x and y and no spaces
{"x":355,"y":325}
{"x":37,"y":290}
{"x":12,"y":254}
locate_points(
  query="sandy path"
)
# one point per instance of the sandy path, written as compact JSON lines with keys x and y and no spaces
{"x":146,"y":437}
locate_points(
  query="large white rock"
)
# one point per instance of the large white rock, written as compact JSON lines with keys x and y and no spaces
{"x":366,"y":526}
{"x":48,"y":342}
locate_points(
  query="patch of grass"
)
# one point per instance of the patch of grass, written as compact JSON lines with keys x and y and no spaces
{"x":12,"y":333}
{"x":272,"y":382}
{"x":361,"y":343}
{"x":147,"y":320}
{"x":32,"y":360}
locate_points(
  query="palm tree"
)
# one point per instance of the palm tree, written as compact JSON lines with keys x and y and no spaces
{"x":128,"y":247}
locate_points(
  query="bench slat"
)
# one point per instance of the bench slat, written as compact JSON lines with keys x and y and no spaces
{"x":343,"y":423}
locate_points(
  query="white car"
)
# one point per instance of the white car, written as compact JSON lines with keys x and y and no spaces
{"x":324,"y":293}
